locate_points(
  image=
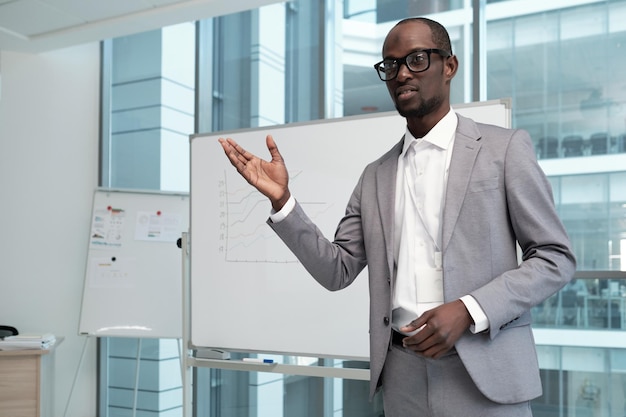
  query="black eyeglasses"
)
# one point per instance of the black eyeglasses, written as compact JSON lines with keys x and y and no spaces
{"x":416,"y":61}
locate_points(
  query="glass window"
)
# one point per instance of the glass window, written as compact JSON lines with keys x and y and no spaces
{"x":558,"y":67}
{"x":363,"y":38}
{"x":148,"y":93}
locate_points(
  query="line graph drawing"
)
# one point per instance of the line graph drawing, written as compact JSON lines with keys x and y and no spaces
{"x":243,"y":214}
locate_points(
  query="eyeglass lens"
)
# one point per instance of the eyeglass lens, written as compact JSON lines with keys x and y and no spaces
{"x":417,"y":62}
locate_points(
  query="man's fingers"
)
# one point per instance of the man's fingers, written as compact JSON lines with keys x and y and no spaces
{"x":243,"y":155}
{"x":273,"y":148}
{"x":237,"y":155}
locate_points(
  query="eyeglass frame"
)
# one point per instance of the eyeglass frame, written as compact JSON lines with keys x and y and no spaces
{"x":399,"y":61}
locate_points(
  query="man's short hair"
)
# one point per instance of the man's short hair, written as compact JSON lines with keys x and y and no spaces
{"x":440,"y":35}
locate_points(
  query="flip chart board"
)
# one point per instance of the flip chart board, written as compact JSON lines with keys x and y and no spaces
{"x":248,"y":292}
{"x":133,"y":277}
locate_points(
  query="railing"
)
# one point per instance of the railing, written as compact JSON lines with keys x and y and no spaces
{"x":593,"y":300}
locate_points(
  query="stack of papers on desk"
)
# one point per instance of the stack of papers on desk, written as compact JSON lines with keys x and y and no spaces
{"x":25,"y":341}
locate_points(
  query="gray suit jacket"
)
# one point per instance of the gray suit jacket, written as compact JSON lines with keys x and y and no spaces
{"x":496,"y":195}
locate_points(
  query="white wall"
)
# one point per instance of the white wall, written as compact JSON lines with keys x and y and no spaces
{"x":49,"y":124}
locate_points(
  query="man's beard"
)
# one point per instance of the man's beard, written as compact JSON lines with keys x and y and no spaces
{"x":425,"y":108}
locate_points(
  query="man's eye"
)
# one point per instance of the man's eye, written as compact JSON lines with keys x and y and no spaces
{"x":388,"y":66}
{"x":417,"y":59}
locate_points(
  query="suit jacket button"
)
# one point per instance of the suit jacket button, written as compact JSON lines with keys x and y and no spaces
{"x":386,"y":321}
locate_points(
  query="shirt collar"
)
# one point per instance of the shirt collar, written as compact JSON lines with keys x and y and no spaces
{"x":440,"y":135}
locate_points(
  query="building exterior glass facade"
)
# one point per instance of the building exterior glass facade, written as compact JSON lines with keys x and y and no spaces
{"x":560,"y":64}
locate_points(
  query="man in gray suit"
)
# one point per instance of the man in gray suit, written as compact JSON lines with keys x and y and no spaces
{"x":436,"y":220}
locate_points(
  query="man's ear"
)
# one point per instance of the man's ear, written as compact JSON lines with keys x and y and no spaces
{"x":451,"y":66}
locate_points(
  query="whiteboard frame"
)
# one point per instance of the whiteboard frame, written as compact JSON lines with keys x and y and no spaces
{"x":503,"y":120}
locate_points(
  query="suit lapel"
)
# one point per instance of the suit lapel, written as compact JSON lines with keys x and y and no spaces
{"x":466,"y":147}
{"x":385,"y":192}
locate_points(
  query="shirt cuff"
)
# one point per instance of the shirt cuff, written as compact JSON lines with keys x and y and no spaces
{"x":278,"y":216}
{"x":481,"y":322}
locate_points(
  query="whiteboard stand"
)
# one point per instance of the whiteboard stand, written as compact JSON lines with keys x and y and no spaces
{"x":137,"y":376}
{"x":80,"y":365}
{"x":184,"y":356}
{"x":278,"y":368}
{"x":188,"y":361}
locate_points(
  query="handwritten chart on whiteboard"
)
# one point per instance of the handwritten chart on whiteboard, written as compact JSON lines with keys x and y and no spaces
{"x":133,"y":277}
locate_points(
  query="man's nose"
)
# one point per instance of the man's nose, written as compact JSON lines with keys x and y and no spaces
{"x":403,"y":71}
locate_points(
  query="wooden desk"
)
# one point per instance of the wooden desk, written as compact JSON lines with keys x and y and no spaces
{"x":26,"y":382}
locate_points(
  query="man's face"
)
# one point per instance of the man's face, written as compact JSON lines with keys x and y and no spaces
{"x":416,"y":95}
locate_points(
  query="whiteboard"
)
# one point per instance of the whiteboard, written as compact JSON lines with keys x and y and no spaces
{"x":248,"y":292}
{"x":133,"y":276}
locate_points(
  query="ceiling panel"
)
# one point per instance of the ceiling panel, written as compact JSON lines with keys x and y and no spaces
{"x":157,"y":3}
{"x":94,"y":10}
{"x":41,"y":18}
{"x":43,"y":25}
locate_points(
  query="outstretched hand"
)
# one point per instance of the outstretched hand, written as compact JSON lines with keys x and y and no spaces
{"x":439,"y":329}
{"x":269,"y":177}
